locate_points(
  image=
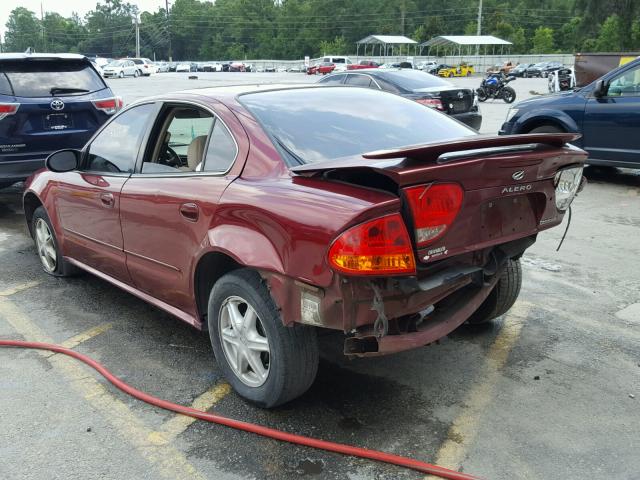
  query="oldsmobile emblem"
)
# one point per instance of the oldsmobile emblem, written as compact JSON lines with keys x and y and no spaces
{"x":519,"y":175}
{"x":57,"y":104}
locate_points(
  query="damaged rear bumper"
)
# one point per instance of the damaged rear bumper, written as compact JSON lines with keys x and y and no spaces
{"x":450,"y":314}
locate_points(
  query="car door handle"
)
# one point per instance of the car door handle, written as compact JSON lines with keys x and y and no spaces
{"x":190,"y":211}
{"x":107,"y":199}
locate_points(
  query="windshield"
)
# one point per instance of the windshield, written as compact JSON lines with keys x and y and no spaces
{"x":317,"y":124}
{"x":38,"y":78}
{"x":414,"y":80}
{"x":116,"y":64}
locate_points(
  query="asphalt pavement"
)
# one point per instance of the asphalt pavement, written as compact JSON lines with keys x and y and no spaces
{"x":549,"y":391}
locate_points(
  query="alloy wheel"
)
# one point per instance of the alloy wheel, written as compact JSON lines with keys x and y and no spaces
{"x":46,"y":247}
{"x":244,"y":341}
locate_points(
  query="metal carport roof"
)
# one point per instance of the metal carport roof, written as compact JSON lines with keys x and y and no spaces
{"x":386,"y":40}
{"x":459,"y":40}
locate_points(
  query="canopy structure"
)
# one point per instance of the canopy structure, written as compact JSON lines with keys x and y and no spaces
{"x":387,"y":44}
{"x":463,"y":43}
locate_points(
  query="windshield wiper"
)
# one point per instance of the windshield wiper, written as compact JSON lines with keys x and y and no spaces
{"x":55,"y":90}
{"x":298,"y":160}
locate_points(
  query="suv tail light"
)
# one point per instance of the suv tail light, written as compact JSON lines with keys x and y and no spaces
{"x":434,"y":208}
{"x":108,"y":105}
{"x":431,"y":102}
{"x":7,"y":109}
{"x":378,"y":247}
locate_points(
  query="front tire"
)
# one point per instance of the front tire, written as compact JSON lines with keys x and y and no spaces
{"x":482,"y":94}
{"x":265,"y":362}
{"x":48,"y":247}
{"x":502,"y":297}
{"x":121,"y":74}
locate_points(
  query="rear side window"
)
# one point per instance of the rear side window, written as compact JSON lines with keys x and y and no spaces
{"x":358,"y":81}
{"x":221,"y":151}
{"x":40,"y":78}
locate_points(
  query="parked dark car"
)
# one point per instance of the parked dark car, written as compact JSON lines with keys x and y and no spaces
{"x":520,"y":69}
{"x":534,"y":70}
{"x":416,"y":85}
{"x":606,"y":113}
{"x":300,"y":208}
{"x":47,"y":101}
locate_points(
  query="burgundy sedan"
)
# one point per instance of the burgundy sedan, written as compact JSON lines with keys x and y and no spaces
{"x":263,"y":214}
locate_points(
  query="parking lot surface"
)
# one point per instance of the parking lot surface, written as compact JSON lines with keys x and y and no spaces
{"x":550,"y":391}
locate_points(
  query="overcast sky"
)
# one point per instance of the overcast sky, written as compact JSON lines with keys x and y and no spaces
{"x":66,"y":7}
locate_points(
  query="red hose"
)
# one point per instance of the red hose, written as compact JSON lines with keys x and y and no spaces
{"x":248,"y":427}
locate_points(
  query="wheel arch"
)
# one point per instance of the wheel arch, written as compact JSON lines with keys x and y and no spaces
{"x":560,"y":120}
{"x":30,"y":203}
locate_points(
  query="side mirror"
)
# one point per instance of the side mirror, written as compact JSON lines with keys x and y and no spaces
{"x":63,"y":161}
{"x":600,"y":89}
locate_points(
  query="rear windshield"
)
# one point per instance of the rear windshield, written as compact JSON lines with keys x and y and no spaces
{"x":315,"y":124}
{"x":37,"y":78}
{"x":413,"y":79}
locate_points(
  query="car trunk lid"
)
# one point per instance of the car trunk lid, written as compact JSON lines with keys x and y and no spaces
{"x":507,"y":183}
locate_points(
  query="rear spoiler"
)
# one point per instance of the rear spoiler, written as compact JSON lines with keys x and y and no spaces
{"x":431,"y":152}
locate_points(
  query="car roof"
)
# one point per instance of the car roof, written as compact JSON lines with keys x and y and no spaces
{"x":40,"y":56}
{"x":235,"y":90}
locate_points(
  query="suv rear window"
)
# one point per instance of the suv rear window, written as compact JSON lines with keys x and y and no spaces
{"x":36,"y":78}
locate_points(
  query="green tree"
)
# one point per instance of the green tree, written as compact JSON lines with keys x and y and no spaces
{"x":337,"y":46}
{"x":610,"y":37}
{"x":23,"y":30}
{"x":543,"y":40}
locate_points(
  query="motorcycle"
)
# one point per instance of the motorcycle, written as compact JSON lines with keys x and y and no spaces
{"x":495,"y":86}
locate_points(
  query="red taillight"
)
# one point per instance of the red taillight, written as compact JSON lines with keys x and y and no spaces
{"x":7,"y":109}
{"x":431,"y":102}
{"x":108,"y":105}
{"x":378,"y":247}
{"x":434,"y":207}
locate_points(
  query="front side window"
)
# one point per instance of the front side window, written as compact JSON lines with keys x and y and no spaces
{"x":626,"y":85}
{"x":115,"y":149}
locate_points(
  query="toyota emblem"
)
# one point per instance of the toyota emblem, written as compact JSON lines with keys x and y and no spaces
{"x":57,"y":104}
{"x":519,"y":175}
{"x":460,"y":95}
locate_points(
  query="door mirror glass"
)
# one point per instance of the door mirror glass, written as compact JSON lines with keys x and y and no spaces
{"x":63,"y":161}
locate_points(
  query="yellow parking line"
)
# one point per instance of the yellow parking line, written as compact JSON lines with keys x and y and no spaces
{"x":179,"y":423}
{"x":169,"y":462}
{"x":76,"y":340}
{"x":464,"y":428}
{"x":19,"y":288}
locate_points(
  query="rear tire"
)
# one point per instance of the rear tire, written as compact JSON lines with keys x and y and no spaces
{"x":508,"y":94}
{"x":546,"y":129}
{"x":288,"y":366}
{"x":502,"y":297}
{"x":136,"y":73}
{"x":482,"y":94}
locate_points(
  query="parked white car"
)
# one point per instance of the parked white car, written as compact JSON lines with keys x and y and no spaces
{"x":183,"y":67}
{"x":145,"y":66}
{"x":341,"y":62}
{"x":120,"y":69}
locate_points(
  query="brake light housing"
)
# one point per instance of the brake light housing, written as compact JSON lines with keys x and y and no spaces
{"x":431,"y":102}
{"x":108,"y":105}
{"x":7,"y":109}
{"x":377,"y":247}
{"x":434,"y":207}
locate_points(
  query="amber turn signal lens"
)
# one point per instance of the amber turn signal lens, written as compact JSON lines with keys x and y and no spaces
{"x":378,"y":247}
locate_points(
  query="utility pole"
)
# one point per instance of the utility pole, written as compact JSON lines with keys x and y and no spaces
{"x":137,"y":35}
{"x":44,"y":43}
{"x":479,"y":29}
{"x":169,"y":30}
